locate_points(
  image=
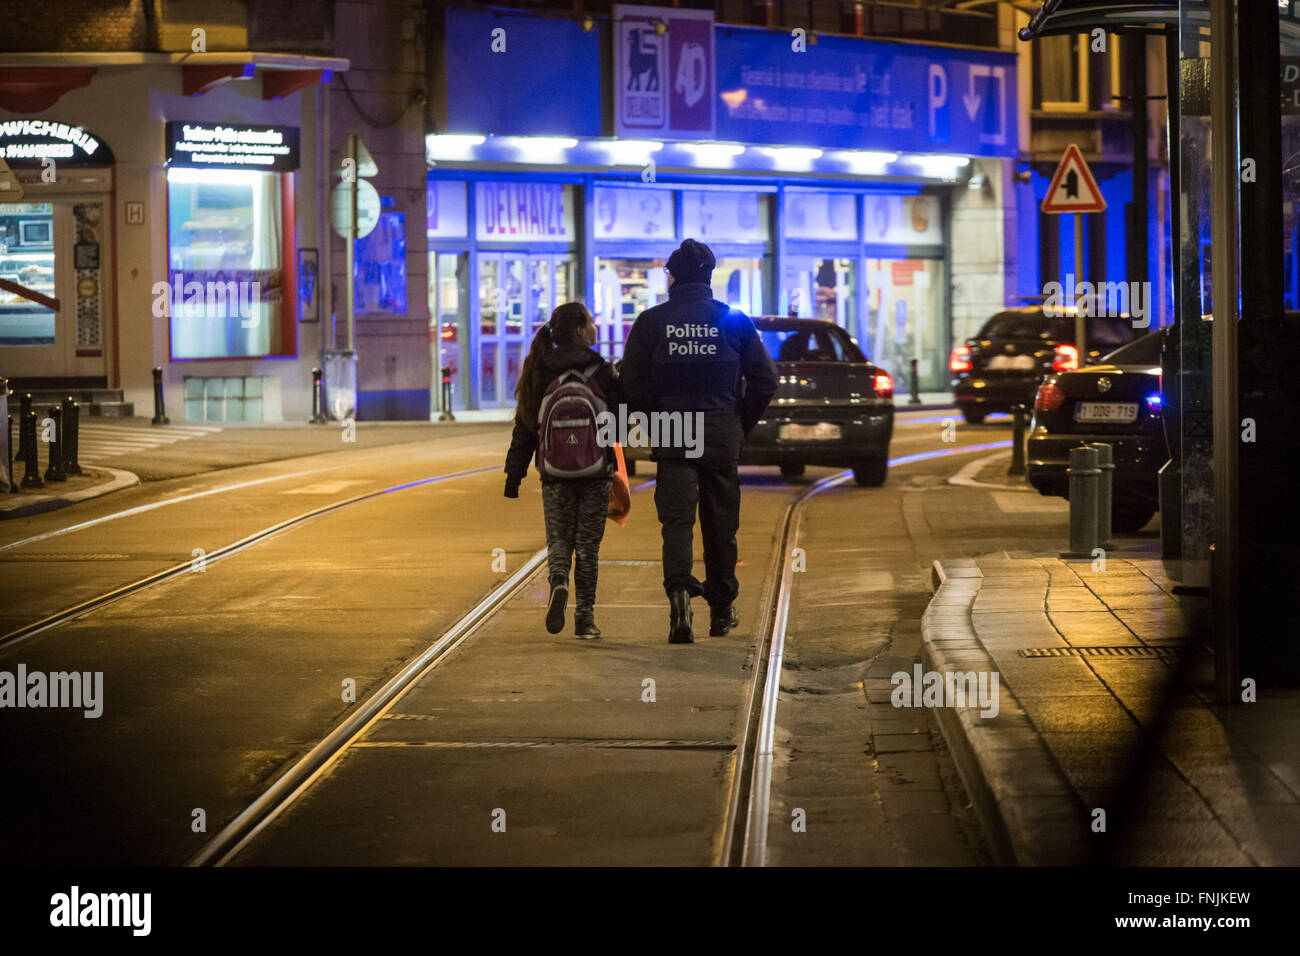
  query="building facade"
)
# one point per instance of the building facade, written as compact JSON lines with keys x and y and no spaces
{"x":863,"y":181}
{"x":173,"y":171}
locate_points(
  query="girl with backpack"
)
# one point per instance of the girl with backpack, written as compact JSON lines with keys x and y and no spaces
{"x":562,"y":388}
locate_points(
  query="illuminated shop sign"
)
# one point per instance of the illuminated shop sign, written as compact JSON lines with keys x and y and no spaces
{"x":515,"y":210}
{"x":31,"y":142}
{"x":216,"y":146}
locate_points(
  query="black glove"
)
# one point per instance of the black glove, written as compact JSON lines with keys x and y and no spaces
{"x":512,"y":488}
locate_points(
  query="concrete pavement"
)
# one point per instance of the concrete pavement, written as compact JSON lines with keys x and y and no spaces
{"x":1107,"y":746}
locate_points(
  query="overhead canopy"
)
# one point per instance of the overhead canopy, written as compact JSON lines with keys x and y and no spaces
{"x":1058,"y":17}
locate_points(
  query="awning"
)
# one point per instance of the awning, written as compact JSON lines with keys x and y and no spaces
{"x":1057,"y":17}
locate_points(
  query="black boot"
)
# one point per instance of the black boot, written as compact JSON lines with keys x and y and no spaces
{"x":584,"y":625}
{"x":722,"y":620}
{"x":555,"y":607}
{"x":679,"y":617}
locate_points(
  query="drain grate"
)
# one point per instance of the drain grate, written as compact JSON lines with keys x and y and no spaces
{"x":1119,"y":650}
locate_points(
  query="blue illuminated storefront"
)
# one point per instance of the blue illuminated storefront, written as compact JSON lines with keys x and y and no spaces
{"x":834,"y":200}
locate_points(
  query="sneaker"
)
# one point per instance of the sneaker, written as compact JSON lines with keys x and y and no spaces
{"x":679,"y":618}
{"x":584,"y":627}
{"x":722,"y":620}
{"x":555,"y":609}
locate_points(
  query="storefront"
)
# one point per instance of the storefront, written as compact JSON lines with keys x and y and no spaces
{"x":56,"y":320}
{"x":827,"y":186}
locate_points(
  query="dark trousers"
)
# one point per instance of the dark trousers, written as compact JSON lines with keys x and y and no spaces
{"x":715,"y":487}
{"x":575,"y":513}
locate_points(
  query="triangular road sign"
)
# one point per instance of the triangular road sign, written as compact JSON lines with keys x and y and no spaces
{"x":10,"y":191}
{"x":1073,"y":189}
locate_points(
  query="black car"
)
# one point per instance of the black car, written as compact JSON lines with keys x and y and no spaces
{"x":1118,"y":402}
{"x":1003,"y":364}
{"x":832,"y":406}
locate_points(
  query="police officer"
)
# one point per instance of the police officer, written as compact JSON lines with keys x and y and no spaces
{"x":695,"y":356}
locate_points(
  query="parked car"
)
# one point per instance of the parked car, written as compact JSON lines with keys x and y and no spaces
{"x":1119,"y":402}
{"x":832,"y":406}
{"x":1003,"y":364}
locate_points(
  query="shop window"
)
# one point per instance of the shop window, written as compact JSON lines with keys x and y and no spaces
{"x":905,"y":319}
{"x":739,"y":283}
{"x":27,"y":266}
{"x":379,"y":267}
{"x":823,"y":289}
{"x":225,"y":277}
{"x":624,"y":289}
{"x":224,"y":398}
{"x":446,"y":213}
{"x":724,"y":215}
{"x":628,"y":212}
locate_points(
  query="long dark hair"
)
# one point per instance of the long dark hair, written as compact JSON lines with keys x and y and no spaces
{"x":561,"y":332}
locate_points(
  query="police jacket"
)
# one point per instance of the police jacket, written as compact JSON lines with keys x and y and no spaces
{"x":694,"y":354}
{"x":523,"y":442}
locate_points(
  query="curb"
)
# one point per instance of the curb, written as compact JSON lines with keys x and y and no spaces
{"x":1030,"y":814}
{"x":39,"y":504}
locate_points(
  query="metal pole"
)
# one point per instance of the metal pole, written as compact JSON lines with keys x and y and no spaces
{"x":1080,"y":330}
{"x":159,"y":402}
{"x":316,"y":417}
{"x":27,"y":439}
{"x":1017,"y":440}
{"x":1223,"y":224}
{"x":354,"y":188}
{"x":54,"y":470}
{"x":70,"y":429}
{"x":914,"y":385}
{"x":1105,"y":492}
{"x":1084,"y":477}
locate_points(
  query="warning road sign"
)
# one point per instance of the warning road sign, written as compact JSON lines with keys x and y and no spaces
{"x":1073,"y":189}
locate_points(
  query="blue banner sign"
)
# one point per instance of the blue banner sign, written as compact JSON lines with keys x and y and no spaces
{"x":860,"y":94}
{"x":520,"y":75}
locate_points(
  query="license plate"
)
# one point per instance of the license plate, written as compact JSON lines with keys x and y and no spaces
{"x":1120,"y":412}
{"x":822,"y":431}
{"x":1018,"y":362}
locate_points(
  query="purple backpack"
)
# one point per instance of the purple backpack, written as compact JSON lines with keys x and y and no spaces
{"x":566,"y":427}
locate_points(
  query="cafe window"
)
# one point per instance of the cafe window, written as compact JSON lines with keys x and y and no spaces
{"x":27,"y":268}
{"x":225,"y":259}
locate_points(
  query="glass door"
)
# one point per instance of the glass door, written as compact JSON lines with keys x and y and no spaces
{"x":905,"y":319}
{"x":823,"y":289}
{"x":448,"y":303}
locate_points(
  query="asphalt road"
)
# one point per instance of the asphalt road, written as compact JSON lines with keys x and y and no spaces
{"x":217,"y":679}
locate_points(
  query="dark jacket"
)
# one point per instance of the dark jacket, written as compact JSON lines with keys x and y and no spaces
{"x":695,"y":354}
{"x":523,"y":443}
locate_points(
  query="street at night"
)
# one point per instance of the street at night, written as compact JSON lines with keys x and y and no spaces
{"x":673,"y":437}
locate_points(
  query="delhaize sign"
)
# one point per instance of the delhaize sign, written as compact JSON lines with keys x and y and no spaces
{"x":664,"y":69}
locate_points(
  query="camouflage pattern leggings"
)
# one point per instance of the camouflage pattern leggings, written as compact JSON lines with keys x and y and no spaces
{"x":575,"y":524}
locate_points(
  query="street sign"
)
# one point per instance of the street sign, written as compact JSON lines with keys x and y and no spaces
{"x":1073,"y":188}
{"x":10,"y":191}
{"x":367,"y":208}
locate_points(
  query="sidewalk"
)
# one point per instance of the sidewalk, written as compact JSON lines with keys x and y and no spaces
{"x":122,"y":452}
{"x":1086,"y":660}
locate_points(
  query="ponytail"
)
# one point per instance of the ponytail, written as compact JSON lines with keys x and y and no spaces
{"x":526,"y":390}
{"x":562,"y":331}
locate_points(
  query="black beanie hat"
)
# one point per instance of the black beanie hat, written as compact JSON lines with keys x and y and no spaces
{"x":692,"y":262}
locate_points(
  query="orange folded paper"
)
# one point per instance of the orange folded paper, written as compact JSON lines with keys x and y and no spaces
{"x":620,"y":492}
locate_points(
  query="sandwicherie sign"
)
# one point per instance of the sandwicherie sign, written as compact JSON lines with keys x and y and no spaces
{"x":28,"y":142}
{"x":221,"y":146}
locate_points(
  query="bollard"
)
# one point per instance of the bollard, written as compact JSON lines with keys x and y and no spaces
{"x":914,"y":385}
{"x":316,"y":417}
{"x":159,"y":406}
{"x":1084,"y":479}
{"x":25,"y":403}
{"x":13,"y":463}
{"x":27,"y":439}
{"x":54,"y":471}
{"x":1017,"y":440}
{"x":1105,"y":491}
{"x":6,"y":463}
{"x":446,"y":415}
{"x":71,"y":429}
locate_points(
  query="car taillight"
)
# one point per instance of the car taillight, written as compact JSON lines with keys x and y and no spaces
{"x":1067,"y":358}
{"x":1048,"y":398}
{"x":883,"y":384}
{"x":960,"y":359}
